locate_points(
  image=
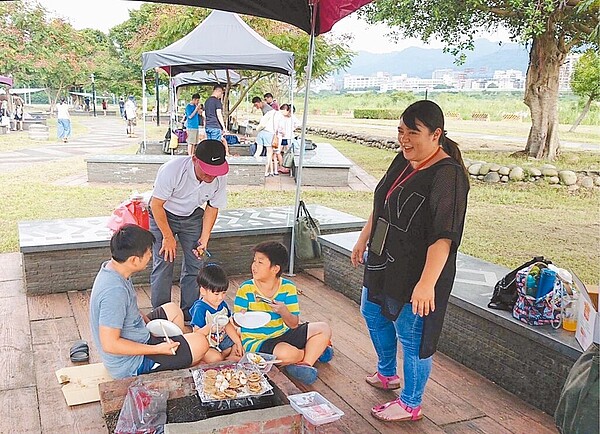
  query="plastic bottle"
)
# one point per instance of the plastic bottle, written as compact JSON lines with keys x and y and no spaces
{"x":531,"y":285}
{"x":546,"y":282}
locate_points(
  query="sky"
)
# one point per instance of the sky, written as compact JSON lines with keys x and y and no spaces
{"x":103,"y":15}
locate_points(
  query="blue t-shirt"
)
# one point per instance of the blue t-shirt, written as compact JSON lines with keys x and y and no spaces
{"x":202,"y":313}
{"x":113,"y":304}
{"x":192,"y":121}
{"x":211,"y":106}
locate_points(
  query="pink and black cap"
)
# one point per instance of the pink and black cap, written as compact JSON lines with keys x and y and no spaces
{"x":211,"y":157}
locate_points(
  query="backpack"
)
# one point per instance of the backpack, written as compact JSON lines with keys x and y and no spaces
{"x":505,"y":290}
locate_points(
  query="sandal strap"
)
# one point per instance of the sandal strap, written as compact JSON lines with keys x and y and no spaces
{"x":386,"y":380}
{"x":414,"y":411}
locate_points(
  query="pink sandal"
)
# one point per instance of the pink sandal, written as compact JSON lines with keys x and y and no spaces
{"x":382,"y":382}
{"x":414,"y":414}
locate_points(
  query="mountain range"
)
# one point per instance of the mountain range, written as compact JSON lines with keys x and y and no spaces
{"x":421,"y":62}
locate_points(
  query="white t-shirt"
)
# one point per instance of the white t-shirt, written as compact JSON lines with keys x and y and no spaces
{"x":176,"y":183}
{"x":269,"y":121}
{"x":287,"y":125}
{"x":62,"y":111}
{"x":130,"y":109}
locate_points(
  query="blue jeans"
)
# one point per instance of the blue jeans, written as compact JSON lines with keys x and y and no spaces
{"x":63,"y":127}
{"x":214,"y":133}
{"x":384,"y":334}
{"x":187,"y":230}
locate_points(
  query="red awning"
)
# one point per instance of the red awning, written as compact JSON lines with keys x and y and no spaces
{"x":295,"y":12}
{"x":6,"y":80}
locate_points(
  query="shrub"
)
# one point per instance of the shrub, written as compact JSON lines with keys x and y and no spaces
{"x":377,"y":114}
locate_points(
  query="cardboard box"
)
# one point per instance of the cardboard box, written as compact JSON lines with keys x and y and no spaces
{"x":588,"y":319}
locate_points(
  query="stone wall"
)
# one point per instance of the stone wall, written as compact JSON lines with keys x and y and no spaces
{"x":534,"y":372}
{"x":75,"y":269}
{"x":340,"y":275}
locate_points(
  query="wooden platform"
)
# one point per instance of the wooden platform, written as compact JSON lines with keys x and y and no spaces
{"x":37,"y":331}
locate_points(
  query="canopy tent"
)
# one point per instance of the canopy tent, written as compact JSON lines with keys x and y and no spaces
{"x":314,"y":17}
{"x":295,"y":12}
{"x":204,"y":49}
{"x":206,"y":78}
{"x":26,"y":90}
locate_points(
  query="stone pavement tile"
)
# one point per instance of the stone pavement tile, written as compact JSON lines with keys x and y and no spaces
{"x":10,"y":266}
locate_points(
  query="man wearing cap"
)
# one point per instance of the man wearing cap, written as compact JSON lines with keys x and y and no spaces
{"x":182,"y":186}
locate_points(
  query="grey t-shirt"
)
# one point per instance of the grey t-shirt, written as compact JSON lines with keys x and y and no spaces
{"x":114,"y":304}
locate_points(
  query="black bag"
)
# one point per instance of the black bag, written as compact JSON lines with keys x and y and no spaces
{"x":505,"y":291}
{"x":307,"y":230}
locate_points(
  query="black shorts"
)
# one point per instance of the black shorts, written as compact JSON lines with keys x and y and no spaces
{"x":295,"y":337}
{"x":160,"y":362}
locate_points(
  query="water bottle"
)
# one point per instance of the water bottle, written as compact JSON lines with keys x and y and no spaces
{"x":531,"y":285}
{"x":546,"y":282}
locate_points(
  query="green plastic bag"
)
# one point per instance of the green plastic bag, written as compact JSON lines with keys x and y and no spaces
{"x":307,"y":230}
{"x":577,"y":410}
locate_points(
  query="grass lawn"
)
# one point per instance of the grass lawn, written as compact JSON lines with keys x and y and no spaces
{"x":506,"y":224}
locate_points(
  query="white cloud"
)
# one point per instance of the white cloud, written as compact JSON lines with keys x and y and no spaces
{"x":375,"y":38}
{"x":101,"y":14}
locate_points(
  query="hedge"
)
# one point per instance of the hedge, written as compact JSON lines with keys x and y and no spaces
{"x":377,"y":114}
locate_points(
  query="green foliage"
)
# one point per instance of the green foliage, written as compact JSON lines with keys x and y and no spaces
{"x":585,"y":81}
{"x":42,"y":50}
{"x":377,"y":114}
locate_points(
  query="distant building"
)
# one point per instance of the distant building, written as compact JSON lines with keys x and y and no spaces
{"x":566,"y":71}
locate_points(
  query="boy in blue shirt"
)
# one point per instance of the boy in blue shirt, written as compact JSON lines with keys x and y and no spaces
{"x":193,"y":113}
{"x":211,"y":316}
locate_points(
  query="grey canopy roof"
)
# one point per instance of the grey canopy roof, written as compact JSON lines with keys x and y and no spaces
{"x":206,"y":78}
{"x":221,"y":41}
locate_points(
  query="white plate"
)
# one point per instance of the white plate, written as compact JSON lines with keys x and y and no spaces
{"x":171,"y":328}
{"x":252,"y":319}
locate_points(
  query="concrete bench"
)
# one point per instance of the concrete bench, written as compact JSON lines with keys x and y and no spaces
{"x":323,"y":167}
{"x":65,"y":255}
{"x":28,"y":123}
{"x":531,"y":362}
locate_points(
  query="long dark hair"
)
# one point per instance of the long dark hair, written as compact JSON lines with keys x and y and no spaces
{"x":430,"y":114}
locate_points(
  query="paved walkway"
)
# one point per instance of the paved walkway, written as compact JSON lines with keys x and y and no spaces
{"x":105,"y":135}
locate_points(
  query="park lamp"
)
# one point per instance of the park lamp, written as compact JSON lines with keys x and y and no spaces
{"x":93,"y":92}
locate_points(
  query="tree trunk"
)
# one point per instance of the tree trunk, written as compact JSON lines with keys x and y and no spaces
{"x":583,"y":114}
{"x":547,"y":53}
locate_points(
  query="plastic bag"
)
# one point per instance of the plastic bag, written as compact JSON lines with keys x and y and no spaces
{"x":133,"y":211}
{"x":144,"y":410}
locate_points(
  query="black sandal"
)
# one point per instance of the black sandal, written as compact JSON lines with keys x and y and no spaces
{"x":79,"y":352}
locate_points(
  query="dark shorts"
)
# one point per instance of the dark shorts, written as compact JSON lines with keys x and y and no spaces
{"x":159,"y":362}
{"x":226,"y":343}
{"x":295,"y":337}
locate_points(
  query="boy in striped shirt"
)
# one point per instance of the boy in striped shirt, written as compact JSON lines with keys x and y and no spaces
{"x":297,"y":345}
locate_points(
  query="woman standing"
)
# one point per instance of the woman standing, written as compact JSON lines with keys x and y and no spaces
{"x":63,"y":123}
{"x":413,"y":236}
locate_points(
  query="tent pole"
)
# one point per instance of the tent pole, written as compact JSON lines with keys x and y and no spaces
{"x":311,"y":52}
{"x":144,"y":110}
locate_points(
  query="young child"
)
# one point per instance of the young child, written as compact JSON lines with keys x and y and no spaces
{"x":298,"y":345}
{"x":211,"y":316}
